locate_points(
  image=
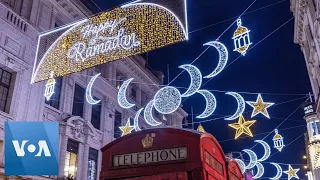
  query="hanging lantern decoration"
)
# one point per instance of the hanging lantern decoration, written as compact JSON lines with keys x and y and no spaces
{"x":50,"y":87}
{"x":201,"y":129}
{"x":241,"y":38}
{"x":278,"y":141}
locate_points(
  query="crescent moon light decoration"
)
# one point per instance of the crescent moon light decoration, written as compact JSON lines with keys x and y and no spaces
{"x":167,"y":100}
{"x":122,"y":100}
{"x":223,"y":57}
{"x":241,"y":165}
{"x":260,"y":171}
{"x":89,"y":97}
{"x":253,"y":158}
{"x":241,"y":106}
{"x":267,"y":150}
{"x":279,"y":171}
{"x":148,"y":115}
{"x":211,"y":103}
{"x":136,"y":120}
{"x":196,"y":79}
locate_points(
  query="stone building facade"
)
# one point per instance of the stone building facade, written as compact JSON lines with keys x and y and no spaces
{"x":84,"y":128}
{"x":307,"y":35}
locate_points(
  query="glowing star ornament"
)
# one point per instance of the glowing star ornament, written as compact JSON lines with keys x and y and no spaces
{"x":89,"y":97}
{"x":127,"y":129}
{"x":241,"y":106}
{"x":167,"y":100}
{"x":122,"y":99}
{"x":292,"y":173}
{"x":201,"y":129}
{"x":260,"y":107}
{"x":196,"y":79}
{"x":242,"y":127}
{"x":241,"y":38}
{"x":278,"y":141}
{"x":49,"y":91}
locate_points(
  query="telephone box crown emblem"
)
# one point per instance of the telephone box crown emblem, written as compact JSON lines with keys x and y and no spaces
{"x":147,"y":141}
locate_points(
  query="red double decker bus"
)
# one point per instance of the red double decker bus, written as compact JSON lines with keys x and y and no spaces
{"x":167,"y":154}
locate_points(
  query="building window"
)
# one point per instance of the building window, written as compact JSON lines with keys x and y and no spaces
{"x":96,"y":115}
{"x":78,"y":101}
{"x":92,"y":164}
{"x":117,"y":124}
{"x":55,"y":98}
{"x":315,"y":126}
{"x":5,"y":90}
{"x":70,"y":167}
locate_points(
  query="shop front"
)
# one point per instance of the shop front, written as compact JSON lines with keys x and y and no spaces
{"x":167,"y":154}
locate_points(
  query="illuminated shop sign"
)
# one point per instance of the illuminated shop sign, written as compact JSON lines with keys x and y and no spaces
{"x":131,"y":29}
{"x":150,"y":157}
{"x":309,"y":108}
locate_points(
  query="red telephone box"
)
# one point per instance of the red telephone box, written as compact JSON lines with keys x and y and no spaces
{"x":167,"y":154}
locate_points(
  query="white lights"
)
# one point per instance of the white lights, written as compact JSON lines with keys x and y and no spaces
{"x":196,"y":79}
{"x":241,"y":38}
{"x":241,"y":165}
{"x":223,"y":57}
{"x":80,"y":51}
{"x":122,"y":100}
{"x":148,"y":117}
{"x":260,"y":107}
{"x":267,"y":150}
{"x":260,"y":171}
{"x":49,"y":91}
{"x":167,"y":100}
{"x":279,"y":171}
{"x":278,"y":141}
{"x":241,"y":105}
{"x":136,"y":120}
{"x":253,"y":158}
{"x":211,"y":103}
{"x":89,"y":97}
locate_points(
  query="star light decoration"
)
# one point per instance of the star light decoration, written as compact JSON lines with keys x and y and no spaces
{"x":127,"y":129}
{"x":201,"y":129}
{"x":242,"y":127}
{"x":260,"y":107}
{"x":292,"y":173}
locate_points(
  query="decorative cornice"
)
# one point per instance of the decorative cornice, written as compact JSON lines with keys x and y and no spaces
{"x":299,"y":9}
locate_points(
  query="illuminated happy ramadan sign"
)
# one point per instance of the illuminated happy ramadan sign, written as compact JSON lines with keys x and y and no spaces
{"x":100,"y":44}
{"x":126,"y":31}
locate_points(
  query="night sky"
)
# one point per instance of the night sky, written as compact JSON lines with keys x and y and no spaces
{"x":275,"y":66}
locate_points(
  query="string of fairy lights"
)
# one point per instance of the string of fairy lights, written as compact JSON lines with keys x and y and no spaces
{"x":168,"y":99}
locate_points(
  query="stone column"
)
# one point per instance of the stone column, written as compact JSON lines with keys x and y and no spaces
{"x":99,"y":164}
{"x":62,"y":154}
{"x":80,"y":161}
{"x":85,"y":159}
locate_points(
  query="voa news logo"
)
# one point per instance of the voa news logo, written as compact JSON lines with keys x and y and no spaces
{"x":31,"y":148}
{"x":43,"y":147}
